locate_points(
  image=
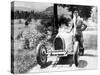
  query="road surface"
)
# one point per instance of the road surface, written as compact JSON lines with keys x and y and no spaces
{"x":88,"y":61}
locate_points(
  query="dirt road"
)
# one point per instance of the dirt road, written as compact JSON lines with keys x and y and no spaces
{"x":88,"y":61}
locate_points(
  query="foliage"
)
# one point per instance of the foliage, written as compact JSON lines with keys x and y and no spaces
{"x":84,"y":11}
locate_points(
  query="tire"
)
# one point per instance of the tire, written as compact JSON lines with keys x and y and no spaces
{"x":81,"y":52}
{"x":76,"y":60}
{"x":42,"y":55}
{"x":76,"y":57}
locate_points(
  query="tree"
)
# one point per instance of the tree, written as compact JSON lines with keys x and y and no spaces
{"x":84,"y":11}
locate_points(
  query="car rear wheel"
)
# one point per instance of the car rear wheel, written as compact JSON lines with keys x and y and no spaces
{"x":81,"y":52}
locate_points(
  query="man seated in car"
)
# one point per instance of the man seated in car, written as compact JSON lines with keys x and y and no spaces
{"x":65,"y":24}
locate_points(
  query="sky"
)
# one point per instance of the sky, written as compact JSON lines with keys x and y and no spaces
{"x":33,"y":5}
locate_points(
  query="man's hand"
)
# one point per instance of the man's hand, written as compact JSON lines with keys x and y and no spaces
{"x":84,"y":26}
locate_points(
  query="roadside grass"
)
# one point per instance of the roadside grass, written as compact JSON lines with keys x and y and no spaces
{"x":24,"y":60}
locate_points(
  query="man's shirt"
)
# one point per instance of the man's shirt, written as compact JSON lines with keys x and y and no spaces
{"x":80,"y":26}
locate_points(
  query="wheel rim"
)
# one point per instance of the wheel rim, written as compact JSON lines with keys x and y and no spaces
{"x":43,"y":54}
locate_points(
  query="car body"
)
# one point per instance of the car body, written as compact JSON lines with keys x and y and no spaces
{"x":64,"y":44}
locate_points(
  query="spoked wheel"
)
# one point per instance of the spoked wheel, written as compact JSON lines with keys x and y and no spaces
{"x":42,"y":55}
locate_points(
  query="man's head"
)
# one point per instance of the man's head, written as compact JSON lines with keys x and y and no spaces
{"x":64,"y":20}
{"x":76,"y":13}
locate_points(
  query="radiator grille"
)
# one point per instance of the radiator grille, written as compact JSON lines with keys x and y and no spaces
{"x":58,"y":44}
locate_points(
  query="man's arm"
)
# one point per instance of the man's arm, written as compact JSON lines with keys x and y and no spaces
{"x":72,"y":25}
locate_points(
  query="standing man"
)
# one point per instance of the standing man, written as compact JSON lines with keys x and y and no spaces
{"x":79,"y":26}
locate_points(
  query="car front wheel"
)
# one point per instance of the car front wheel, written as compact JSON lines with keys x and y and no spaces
{"x":42,"y":55}
{"x":76,"y":55}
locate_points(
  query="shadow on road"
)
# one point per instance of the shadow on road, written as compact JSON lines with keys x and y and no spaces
{"x":82,"y":64}
{"x":46,"y":65}
{"x":65,"y":60}
{"x":68,"y":60}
